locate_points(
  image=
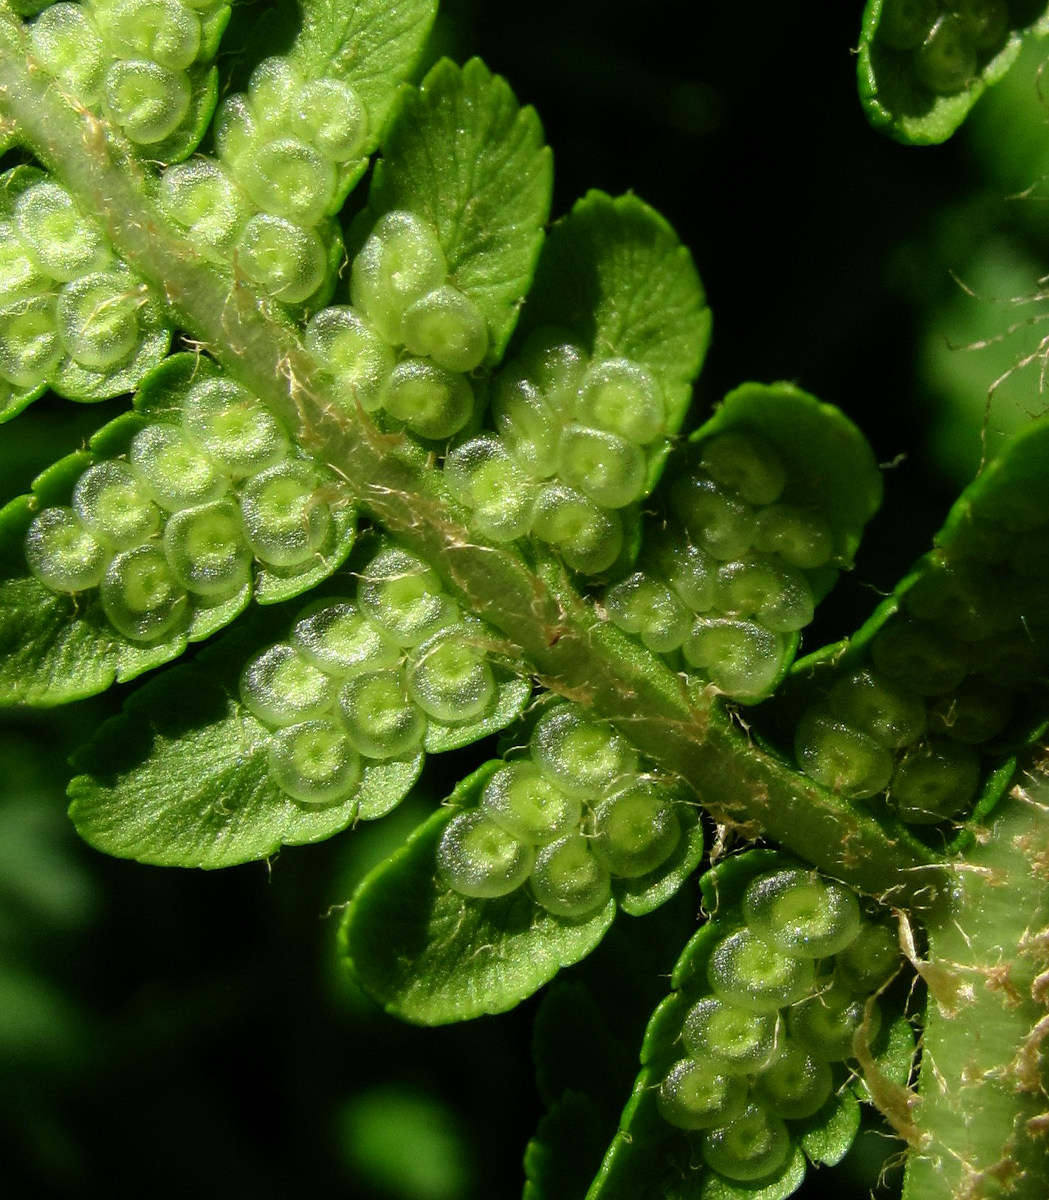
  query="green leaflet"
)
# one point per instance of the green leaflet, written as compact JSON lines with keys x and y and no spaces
{"x":184,"y":776}
{"x":181,"y":778}
{"x":614,"y":273}
{"x":58,"y":647}
{"x":649,"y":1158}
{"x":764,"y":506}
{"x":370,"y":44}
{"x":53,"y":653}
{"x":831,"y":468}
{"x":431,"y":956}
{"x":156,"y":91}
{"x":832,"y":1132}
{"x":616,"y":328}
{"x":924,"y":103}
{"x":465,"y":156}
{"x":645,"y":1163}
{"x":973,"y":613}
{"x":212,"y":27}
{"x":14,"y":400}
{"x":1012,"y":491}
{"x":55,"y":648}
{"x":41,"y":290}
{"x":272,"y":585}
{"x":75,"y":382}
{"x":500,"y":950}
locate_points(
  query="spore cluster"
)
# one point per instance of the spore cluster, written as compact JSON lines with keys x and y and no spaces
{"x":369,"y":679}
{"x":578,"y":436}
{"x":942,"y":45}
{"x":180,"y":522}
{"x":143,"y":62}
{"x":790,"y":986}
{"x":944,"y":679}
{"x":564,"y":819}
{"x":727,"y":580}
{"x":288,"y":151}
{"x":72,"y":316}
{"x":406,"y":344}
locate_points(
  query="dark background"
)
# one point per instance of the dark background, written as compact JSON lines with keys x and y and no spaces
{"x":170,"y":1033}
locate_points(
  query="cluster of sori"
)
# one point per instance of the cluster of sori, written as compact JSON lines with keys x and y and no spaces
{"x":565,"y":819}
{"x":408,"y":340}
{"x":728,"y":585}
{"x":577,"y":437}
{"x":63,"y":296}
{"x":945,"y":43}
{"x":942,"y":678}
{"x":283,"y":149}
{"x":140,"y":60}
{"x":179,"y":521}
{"x":364,"y":680}
{"x":789,"y":989}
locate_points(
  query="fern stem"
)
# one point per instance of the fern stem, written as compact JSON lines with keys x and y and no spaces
{"x":559,"y":634}
{"x":98,"y":165}
{"x":984,"y":1108}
